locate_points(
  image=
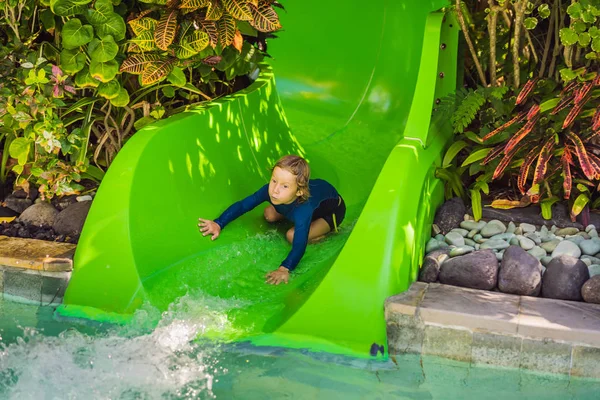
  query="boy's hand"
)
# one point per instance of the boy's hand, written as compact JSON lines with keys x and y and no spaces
{"x":208,"y":227}
{"x":282,"y":274}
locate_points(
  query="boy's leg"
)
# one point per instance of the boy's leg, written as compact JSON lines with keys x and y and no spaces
{"x":271,"y":215}
{"x":318,"y":229}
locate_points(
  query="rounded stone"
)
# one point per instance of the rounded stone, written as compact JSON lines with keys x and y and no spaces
{"x":520,"y":273}
{"x":455,"y":239}
{"x":545,"y":260}
{"x":568,"y":248}
{"x":494,"y":227}
{"x":550,"y":246}
{"x":511,"y":227}
{"x":594,"y":269}
{"x":470,"y":225}
{"x":472,"y":233}
{"x":590,"y":246}
{"x":590,"y":227}
{"x":461,"y":250}
{"x":431,"y":265}
{"x":537,"y":252}
{"x":494,"y":244}
{"x":566,"y":231}
{"x":469,"y":242}
{"x":460,"y":231}
{"x":564,"y":277}
{"x":476,"y":270}
{"x":41,"y":214}
{"x":527,"y":228}
{"x":574,"y":239}
{"x":526,"y":243}
{"x":514,"y":241}
{"x":591,"y":290}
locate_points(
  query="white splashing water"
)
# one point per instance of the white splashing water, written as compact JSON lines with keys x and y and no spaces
{"x":124,"y":363}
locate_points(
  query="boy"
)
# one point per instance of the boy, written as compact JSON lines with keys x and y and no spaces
{"x":314,"y":206}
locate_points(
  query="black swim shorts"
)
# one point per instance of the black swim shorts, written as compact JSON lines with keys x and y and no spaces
{"x":331,"y":210}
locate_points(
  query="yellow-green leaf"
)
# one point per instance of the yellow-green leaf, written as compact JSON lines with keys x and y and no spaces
{"x":122,"y":98}
{"x":193,"y":5}
{"x":210,"y":27}
{"x":579,"y":204}
{"x":454,"y":149}
{"x":476,"y":204}
{"x":165,"y":30}
{"x":476,"y":156}
{"x":104,"y":71}
{"x":238,"y":9}
{"x":144,"y":41}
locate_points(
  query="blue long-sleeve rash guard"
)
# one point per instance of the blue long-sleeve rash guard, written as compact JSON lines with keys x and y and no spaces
{"x":300,"y":213}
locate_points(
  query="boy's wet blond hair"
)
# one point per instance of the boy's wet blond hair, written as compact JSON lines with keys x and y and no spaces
{"x":299,"y":167}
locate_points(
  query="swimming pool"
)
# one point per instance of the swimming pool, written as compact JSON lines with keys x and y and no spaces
{"x":164,"y":356}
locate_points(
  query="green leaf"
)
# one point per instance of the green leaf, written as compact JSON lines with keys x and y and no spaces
{"x":544,"y":11}
{"x":567,"y":74}
{"x":122,"y":98}
{"x":109,"y":90}
{"x":103,"y":50}
{"x":177,"y":77}
{"x":476,"y":156}
{"x":579,"y":26}
{"x":596,"y":44}
{"x":454,"y":149}
{"x":584,"y":39}
{"x":19,"y":149}
{"x":100,"y":13}
{"x":72,"y":61}
{"x":18,"y":169}
{"x":66,"y":8}
{"x":114,"y":26}
{"x":568,"y":36}
{"x":530,"y":23}
{"x":579,"y":204}
{"x":594,"y":32}
{"x":546,"y":206}
{"x":145,"y":41}
{"x":476,"y":204}
{"x":47,"y":18}
{"x":472,"y":136}
{"x":169,"y":91}
{"x":142,"y":122}
{"x":94,"y":173}
{"x":588,"y":17}
{"x":75,"y":34}
{"x":574,"y":10}
{"x":104,"y":71}
{"x":84,"y":79}
{"x":591,"y":56}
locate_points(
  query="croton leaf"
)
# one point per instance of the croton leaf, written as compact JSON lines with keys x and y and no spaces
{"x":114,"y":26}
{"x":215,"y":10}
{"x":238,"y":9}
{"x":210,"y":27}
{"x":72,"y":60}
{"x":141,"y":25}
{"x":226,"y":26}
{"x":164,"y":34}
{"x":193,"y":5}
{"x":144,"y":41}
{"x":136,"y":63}
{"x":100,"y":13}
{"x":238,"y":41}
{"x":104,"y":71}
{"x":156,"y":71}
{"x":104,"y":49}
{"x":264,"y":18}
{"x":198,"y":40}
{"x":177,"y":77}
{"x":75,"y":34}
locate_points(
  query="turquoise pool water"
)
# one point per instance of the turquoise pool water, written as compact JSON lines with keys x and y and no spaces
{"x":164,"y":357}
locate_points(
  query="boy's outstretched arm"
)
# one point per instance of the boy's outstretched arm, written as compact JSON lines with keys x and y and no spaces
{"x":208,"y":227}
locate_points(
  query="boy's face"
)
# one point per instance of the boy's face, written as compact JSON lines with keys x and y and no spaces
{"x":283,"y":188}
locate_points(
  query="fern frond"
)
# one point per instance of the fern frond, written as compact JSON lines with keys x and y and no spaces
{"x":466,"y":111}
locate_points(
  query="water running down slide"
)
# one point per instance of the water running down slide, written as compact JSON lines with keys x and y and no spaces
{"x":352,"y":88}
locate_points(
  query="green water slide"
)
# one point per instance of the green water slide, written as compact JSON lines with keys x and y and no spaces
{"x":352,"y":87}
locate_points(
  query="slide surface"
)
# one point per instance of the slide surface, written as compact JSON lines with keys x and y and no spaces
{"x":353,"y":88}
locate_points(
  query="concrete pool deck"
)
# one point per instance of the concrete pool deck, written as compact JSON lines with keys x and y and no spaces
{"x":34,"y":271}
{"x":496,"y":329}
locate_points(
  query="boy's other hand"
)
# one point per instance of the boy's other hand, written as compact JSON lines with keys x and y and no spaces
{"x":208,"y":227}
{"x":282,"y":274}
